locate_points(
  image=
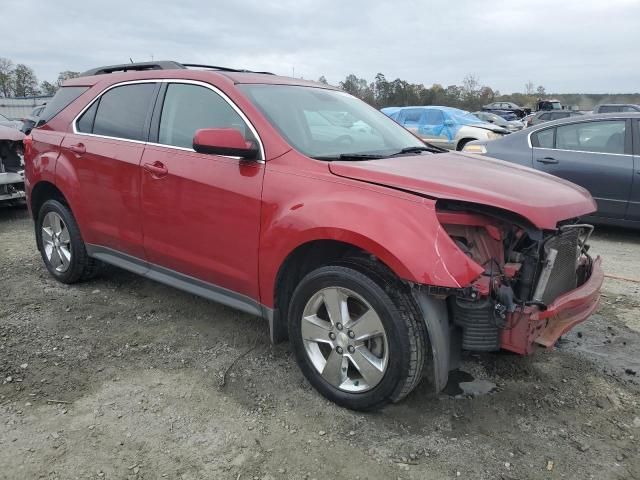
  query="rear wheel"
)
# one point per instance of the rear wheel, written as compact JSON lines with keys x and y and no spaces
{"x":354,"y":343}
{"x":61,"y":245}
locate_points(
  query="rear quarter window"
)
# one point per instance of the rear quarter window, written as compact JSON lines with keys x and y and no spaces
{"x":63,"y":97}
{"x":543,"y":138}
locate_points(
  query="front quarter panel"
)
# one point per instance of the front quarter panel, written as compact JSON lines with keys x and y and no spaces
{"x":399,"y":228}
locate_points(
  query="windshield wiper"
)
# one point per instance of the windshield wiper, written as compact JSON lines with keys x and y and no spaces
{"x":353,"y":156}
{"x":428,"y":148}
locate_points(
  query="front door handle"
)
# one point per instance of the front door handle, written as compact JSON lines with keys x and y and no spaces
{"x":78,"y":148}
{"x":157,"y":169}
{"x":547,"y":160}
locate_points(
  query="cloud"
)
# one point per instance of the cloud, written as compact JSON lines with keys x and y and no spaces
{"x":568,"y":46}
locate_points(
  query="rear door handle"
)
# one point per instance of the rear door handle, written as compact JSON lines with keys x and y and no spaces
{"x":78,"y":148}
{"x":157,"y":169}
{"x":547,"y":160}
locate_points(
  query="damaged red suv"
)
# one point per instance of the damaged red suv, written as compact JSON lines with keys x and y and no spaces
{"x":377,"y":257}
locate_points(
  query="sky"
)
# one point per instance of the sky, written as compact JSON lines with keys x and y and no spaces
{"x":568,"y":46}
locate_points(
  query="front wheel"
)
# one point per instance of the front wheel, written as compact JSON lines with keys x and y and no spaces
{"x":358,"y":346}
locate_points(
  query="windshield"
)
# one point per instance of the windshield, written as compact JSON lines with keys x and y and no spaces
{"x":323,"y":123}
{"x":556,"y":106}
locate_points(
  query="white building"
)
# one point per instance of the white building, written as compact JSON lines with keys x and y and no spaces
{"x":19,"y":108}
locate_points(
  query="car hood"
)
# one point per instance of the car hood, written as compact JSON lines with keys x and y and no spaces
{"x":541,"y":198}
{"x":488,"y":126}
{"x":12,"y":134}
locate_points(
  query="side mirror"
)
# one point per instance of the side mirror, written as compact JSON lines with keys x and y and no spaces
{"x":224,"y":141}
{"x":449,"y":123}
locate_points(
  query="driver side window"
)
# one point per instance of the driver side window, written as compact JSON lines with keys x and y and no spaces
{"x":188,"y":108}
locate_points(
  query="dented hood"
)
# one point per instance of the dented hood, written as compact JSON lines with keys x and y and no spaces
{"x":539,"y":197}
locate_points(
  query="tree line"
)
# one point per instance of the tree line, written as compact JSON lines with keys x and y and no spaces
{"x":470,"y":95}
{"x":19,"y":80}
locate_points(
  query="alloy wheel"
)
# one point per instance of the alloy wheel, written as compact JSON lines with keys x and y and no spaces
{"x":56,"y":242}
{"x":345,"y":339}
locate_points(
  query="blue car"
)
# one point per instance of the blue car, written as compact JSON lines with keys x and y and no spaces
{"x":444,"y":127}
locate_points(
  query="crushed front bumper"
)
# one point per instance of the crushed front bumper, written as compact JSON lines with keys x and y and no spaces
{"x":532,"y":326}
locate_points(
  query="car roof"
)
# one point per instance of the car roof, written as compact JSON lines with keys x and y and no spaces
{"x":585,"y":118}
{"x":618,"y":105}
{"x":192,"y":74}
{"x":423,"y":107}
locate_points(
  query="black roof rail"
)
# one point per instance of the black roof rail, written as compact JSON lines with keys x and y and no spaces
{"x":159,"y":65}
{"x":139,"y":66}
{"x":223,"y":69}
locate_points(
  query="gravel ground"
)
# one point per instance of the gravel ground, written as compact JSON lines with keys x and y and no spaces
{"x":122,"y":377}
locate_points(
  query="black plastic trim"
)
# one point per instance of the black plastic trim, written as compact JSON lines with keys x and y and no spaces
{"x":180,"y":281}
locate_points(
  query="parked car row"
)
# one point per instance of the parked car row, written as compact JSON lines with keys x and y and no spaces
{"x":378,"y":258}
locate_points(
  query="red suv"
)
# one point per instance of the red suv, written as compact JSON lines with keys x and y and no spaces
{"x":378,"y":257}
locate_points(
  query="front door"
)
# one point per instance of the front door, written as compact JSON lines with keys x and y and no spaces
{"x":593,"y":154}
{"x":201,"y":213}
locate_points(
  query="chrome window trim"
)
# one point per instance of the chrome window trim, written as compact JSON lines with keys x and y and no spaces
{"x":584,"y":151}
{"x":170,"y":80}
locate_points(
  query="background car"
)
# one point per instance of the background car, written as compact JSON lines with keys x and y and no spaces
{"x":31,"y":121}
{"x":547,"y":116}
{"x":444,"y":127}
{"x":594,"y":151}
{"x":490,"y":117}
{"x":548,"y":104}
{"x":616,"y":108}
{"x":6,"y":122}
{"x":508,"y":106}
{"x":11,"y":165}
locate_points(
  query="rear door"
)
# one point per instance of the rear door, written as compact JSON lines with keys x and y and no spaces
{"x":105,"y":150}
{"x":633,"y":209}
{"x":593,"y":154}
{"x":201,"y":212}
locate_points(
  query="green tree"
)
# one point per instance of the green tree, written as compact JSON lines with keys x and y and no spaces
{"x":25,"y":81}
{"x":6,"y":77}
{"x":48,"y":88}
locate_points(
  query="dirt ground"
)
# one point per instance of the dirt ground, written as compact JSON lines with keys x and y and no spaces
{"x":122,"y":377}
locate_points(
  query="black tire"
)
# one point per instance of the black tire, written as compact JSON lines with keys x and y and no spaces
{"x":463,"y":142}
{"x":404,"y":328}
{"x":81,"y":266}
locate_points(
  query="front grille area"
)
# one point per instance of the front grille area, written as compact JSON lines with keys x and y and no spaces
{"x":563,"y":276}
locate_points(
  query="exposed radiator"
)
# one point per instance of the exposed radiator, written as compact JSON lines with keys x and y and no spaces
{"x":559,"y":271}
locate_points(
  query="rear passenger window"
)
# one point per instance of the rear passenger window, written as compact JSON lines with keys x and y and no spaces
{"x":188,"y":108}
{"x":599,"y":137}
{"x":122,"y":112}
{"x":543,"y":138}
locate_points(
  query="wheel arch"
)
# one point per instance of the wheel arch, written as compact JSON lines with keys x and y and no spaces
{"x":463,"y":142}
{"x":310,"y":255}
{"x":43,"y":191}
